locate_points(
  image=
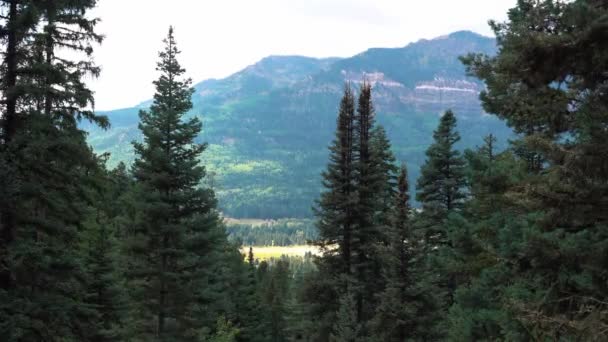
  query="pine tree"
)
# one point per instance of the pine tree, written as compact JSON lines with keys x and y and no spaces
{"x":335,"y":212}
{"x":374,"y":184}
{"x":440,"y":190}
{"x":105,"y":292}
{"x":50,"y":167}
{"x":440,"y":186}
{"x":104,"y":288}
{"x":476,"y":237}
{"x":252,"y":317}
{"x":299,"y":321}
{"x":352,"y":212}
{"x":385,"y":179}
{"x":273,"y":289}
{"x":18,"y":24}
{"x":225,"y":332}
{"x":406,"y":309}
{"x":365,"y":234}
{"x":347,"y":327}
{"x":175,"y":240}
{"x":250,"y":257}
{"x":394,"y":320}
{"x":334,"y":209}
{"x":547,"y":83}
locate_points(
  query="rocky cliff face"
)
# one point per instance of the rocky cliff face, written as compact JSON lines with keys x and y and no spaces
{"x":268,"y":126}
{"x":460,"y":95}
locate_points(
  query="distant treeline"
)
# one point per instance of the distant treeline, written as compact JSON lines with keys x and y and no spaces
{"x":283,"y":232}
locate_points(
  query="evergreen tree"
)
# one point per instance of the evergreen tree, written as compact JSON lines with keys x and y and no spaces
{"x":352,"y":212}
{"x":316,"y":292}
{"x":385,"y":179}
{"x":177,"y":236}
{"x":440,"y":186}
{"x":274,"y":293}
{"x":440,"y":189}
{"x":548,"y":83}
{"x":104,"y":288}
{"x":334,"y":209}
{"x":250,"y":315}
{"x":483,"y":240}
{"x":225,"y":332}
{"x":477,"y":236}
{"x":374,"y":183}
{"x":335,"y":215}
{"x":393,"y":320}
{"x":18,"y":22}
{"x":99,"y":251}
{"x":250,"y":257}
{"x":299,"y":321}
{"x":347,"y":327}
{"x":365,"y":234}
{"x":49,"y":166}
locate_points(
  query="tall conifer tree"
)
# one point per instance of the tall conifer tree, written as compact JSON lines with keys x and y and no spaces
{"x":49,"y":165}
{"x":335,"y":215}
{"x":394,"y":318}
{"x":440,"y":188}
{"x":374,"y":183}
{"x":335,"y":207}
{"x":548,"y":82}
{"x":406,"y":310}
{"x":105,"y":290}
{"x":176,"y":239}
{"x":385,"y":178}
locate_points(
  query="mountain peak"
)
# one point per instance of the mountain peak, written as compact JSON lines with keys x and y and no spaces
{"x":460,"y":35}
{"x":465,"y":34}
{"x":268,"y":125}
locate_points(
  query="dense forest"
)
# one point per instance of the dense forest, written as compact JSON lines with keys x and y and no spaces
{"x":509,"y":241}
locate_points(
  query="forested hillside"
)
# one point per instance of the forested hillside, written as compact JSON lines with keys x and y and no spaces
{"x":268,"y":126}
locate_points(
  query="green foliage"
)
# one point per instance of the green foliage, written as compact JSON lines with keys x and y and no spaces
{"x":274,"y":289}
{"x":409,"y":304}
{"x":225,"y":332}
{"x":99,"y":248}
{"x":509,"y":245}
{"x":251,"y":314}
{"x":543,"y":238}
{"x":49,"y":169}
{"x":268,"y":125}
{"x":440,"y":186}
{"x":347,"y":327}
{"x":351,"y":218}
{"x":335,"y":206}
{"x":335,"y":212}
{"x":176,"y":234}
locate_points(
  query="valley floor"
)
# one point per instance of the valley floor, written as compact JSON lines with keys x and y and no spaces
{"x":269,"y":252}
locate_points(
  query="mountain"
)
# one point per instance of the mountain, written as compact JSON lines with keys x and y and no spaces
{"x":268,"y":126}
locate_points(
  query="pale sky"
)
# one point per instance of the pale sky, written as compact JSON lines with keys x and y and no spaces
{"x":220,"y":37}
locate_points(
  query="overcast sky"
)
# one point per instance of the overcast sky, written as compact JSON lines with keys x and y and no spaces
{"x":220,"y":37}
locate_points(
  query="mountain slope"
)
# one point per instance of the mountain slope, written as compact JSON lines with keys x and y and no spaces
{"x":269,"y":125}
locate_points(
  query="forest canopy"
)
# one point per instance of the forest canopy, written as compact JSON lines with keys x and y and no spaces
{"x":506,"y":241}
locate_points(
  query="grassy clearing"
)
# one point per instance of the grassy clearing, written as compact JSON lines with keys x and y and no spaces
{"x":268,"y":252}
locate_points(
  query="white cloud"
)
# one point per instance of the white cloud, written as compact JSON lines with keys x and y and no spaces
{"x":220,"y":37}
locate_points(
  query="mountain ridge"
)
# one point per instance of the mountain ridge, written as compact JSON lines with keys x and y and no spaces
{"x":268,"y":125}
